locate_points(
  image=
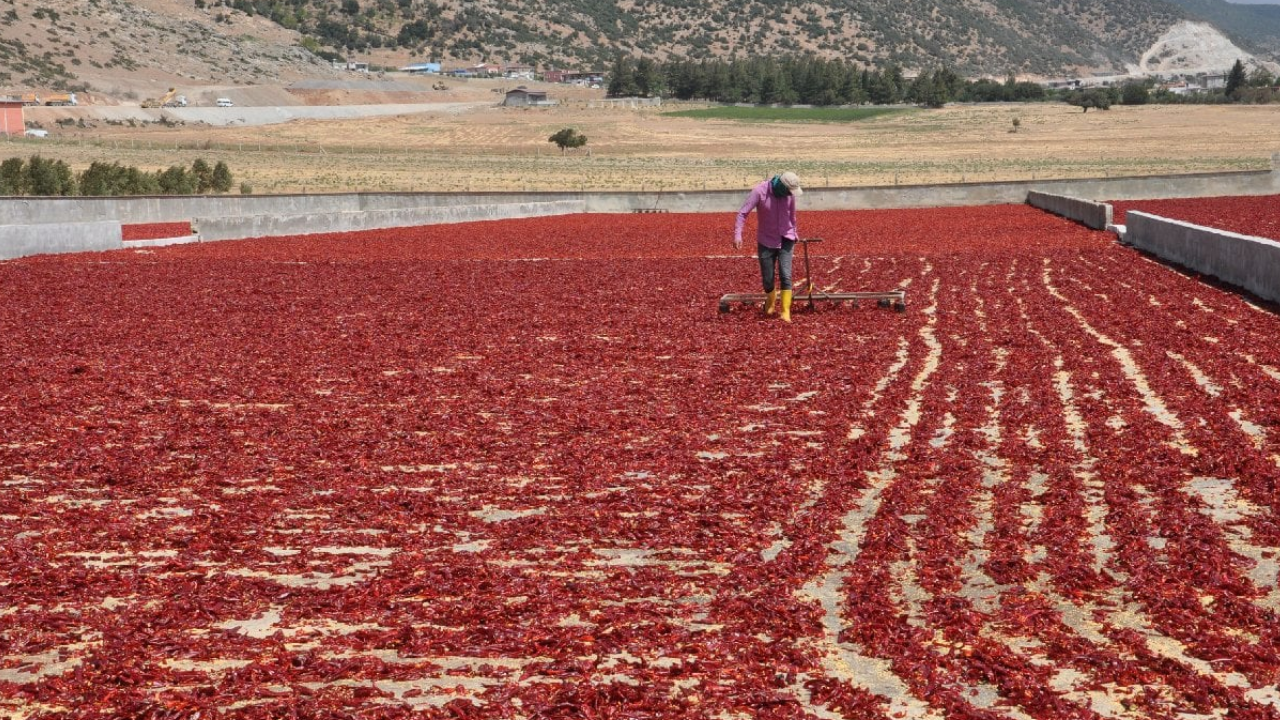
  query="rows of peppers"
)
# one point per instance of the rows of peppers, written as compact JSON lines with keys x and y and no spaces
{"x":625,"y":417}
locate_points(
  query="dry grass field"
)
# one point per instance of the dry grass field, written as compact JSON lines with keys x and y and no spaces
{"x":495,"y":148}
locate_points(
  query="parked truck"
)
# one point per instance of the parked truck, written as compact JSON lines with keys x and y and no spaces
{"x":61,"y":99}
{"x":30,"y":99}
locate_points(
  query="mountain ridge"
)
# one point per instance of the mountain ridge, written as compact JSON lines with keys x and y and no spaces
{"x":117,"y":46}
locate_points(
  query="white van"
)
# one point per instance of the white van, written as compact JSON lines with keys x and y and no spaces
{"x":225,"y":102}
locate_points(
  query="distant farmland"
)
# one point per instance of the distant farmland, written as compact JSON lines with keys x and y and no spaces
{"x":786,"y":114}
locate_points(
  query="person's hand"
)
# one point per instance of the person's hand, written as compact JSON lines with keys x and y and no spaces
{"x":737,"y":243}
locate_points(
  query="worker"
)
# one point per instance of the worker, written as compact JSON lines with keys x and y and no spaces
{"x":775,"y":203}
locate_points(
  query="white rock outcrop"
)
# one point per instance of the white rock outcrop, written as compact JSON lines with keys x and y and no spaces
{"x":1194,"y":47}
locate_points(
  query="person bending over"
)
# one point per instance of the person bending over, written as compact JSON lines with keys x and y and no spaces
{"x":774,"y":201}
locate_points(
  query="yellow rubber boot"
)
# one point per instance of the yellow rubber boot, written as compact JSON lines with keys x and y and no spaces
{"x":771,"y":302}
{"x":786,"y":305}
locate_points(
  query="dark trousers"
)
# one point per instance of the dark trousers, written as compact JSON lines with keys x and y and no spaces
{"x":782,"y":256}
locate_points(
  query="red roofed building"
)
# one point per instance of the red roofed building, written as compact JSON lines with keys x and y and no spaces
{"x":11,"y":120}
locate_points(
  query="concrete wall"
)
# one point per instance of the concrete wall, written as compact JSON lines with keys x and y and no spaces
{"x":1086,"y":212}
{"x":156,"y":209}
{"x":231,"y":227}
{"x":964,"y":194}
{"x":1248,"y":262}
{"x":239,"y":216}
{"x":22,"y":240}
{"x":176,"y":209}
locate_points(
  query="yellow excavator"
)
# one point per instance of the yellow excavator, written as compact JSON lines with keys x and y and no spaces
{"x":170,"y":99}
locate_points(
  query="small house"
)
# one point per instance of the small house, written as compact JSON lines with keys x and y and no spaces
{"x":518,"y":70}
{"x":1214,"y":82}
{"x":524,"y":97}
{"x":574,"y":77}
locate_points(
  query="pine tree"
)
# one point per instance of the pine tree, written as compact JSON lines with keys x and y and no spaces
{"x":1235,"y":80}
{"x":622,"y":79}
{"x":648,"y":78}
{"x":221,"y":177}
{"x":203,"y":175}
{"x":49,"y":177}
{"x":13,"y":180}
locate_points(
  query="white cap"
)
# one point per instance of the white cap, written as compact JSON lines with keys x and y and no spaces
{"x":792,"y":181}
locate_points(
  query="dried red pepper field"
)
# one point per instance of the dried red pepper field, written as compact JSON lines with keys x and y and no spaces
{"x":1258,"y":216}
{"x":525,"y":469}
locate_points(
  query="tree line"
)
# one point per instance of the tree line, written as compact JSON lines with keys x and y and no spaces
{"x":806,"y":81}
{"x":1241,"y":86}
{"x":822,"y":82}
{"x":45,"y":177}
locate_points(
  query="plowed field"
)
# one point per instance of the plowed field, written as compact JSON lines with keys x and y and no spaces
{"x":524,"y":469}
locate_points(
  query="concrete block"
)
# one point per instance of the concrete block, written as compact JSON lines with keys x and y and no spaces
{"x":22,"y":240}
{"x":1252,"y":263}
{"x":1091,"y":214}
{"x":252,"y":226}
{"x":162,"y":242}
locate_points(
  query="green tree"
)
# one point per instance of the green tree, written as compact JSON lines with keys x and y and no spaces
{"x":568,"y":138}
{"x":896,"y":82}
{"x":880,"y":90}
{"x":1261,"y":77}
{"x":648,"y":78}
{"x":950,"y":83}
{"x":203,"y":175}
{"x":1236,"y":80}
{"x":929,"y":90}
{"x":622,"y":78}
{"x":49,"y":177}
{"x":13,"y":181}
{"x":102,"y":178}
{"x":177,"y":181}
{"x":1135,"y":93}
{"x":137,"y":182}
{"x":1091,"y":98}
{"x":221,"y":177}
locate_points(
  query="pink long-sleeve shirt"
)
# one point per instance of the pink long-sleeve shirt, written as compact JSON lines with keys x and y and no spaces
{"x":775,"y":217}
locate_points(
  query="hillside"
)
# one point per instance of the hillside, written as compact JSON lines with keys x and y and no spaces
{"x":129,"y":51}
{"x":133,"y":49}
{"x":974,"y":36}
{"x":1254,"y":27}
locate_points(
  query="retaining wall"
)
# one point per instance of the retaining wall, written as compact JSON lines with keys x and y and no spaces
{"x":22,"y":240}
{"x":1091,"y":214}
{"x":1251,"y":263}
{"x":232,"y":227}
{"x":168,"y":208}
{"x":239,"y":216}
